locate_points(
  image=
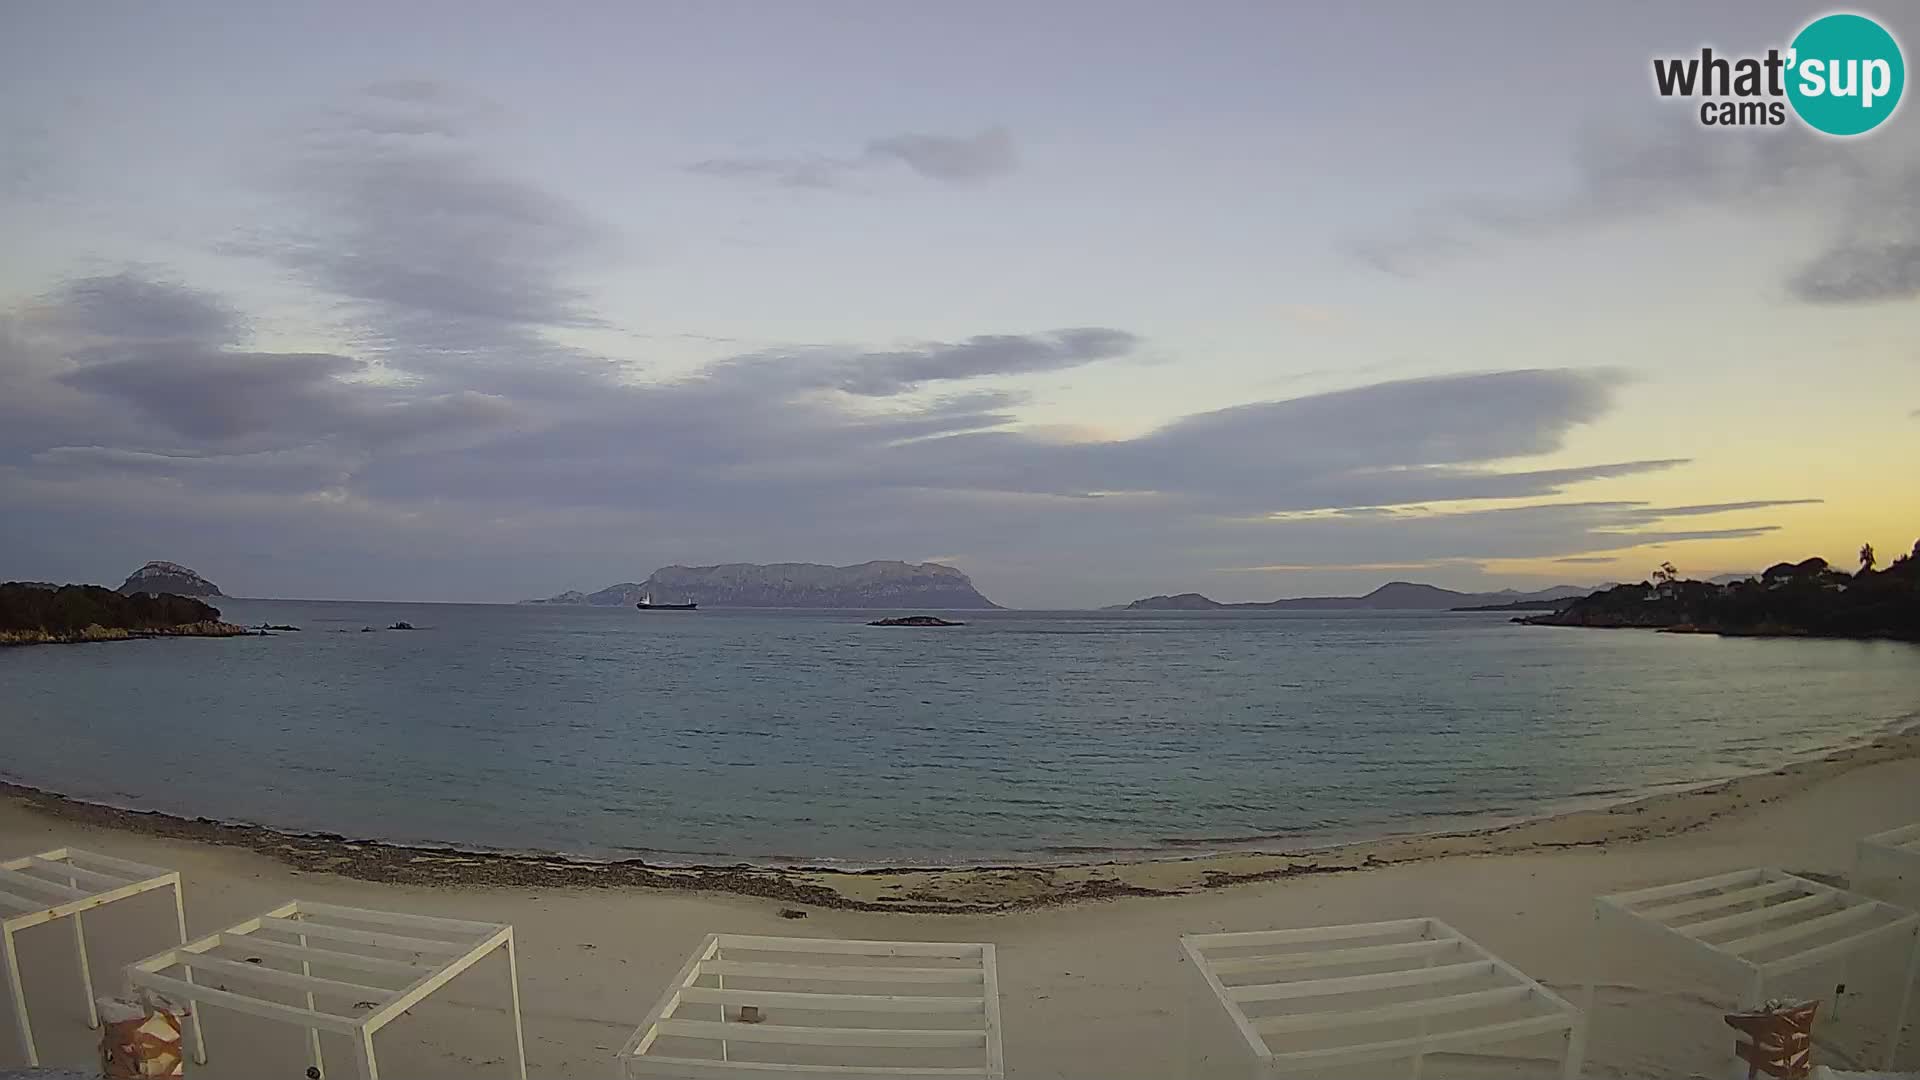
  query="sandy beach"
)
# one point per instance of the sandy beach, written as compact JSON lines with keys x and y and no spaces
{"x":1091,"y":977}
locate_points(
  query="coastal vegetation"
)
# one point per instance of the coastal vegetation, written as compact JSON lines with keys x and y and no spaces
{"x":1809,"y":598}
{"x":32,"y":613}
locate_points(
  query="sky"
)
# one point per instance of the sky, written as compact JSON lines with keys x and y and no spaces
{"x":485,"y":301}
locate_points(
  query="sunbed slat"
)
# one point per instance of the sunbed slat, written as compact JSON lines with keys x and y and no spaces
{"x":820,"y":1036}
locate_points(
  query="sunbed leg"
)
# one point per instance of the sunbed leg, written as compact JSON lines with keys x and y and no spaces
{"x":12,"y":960}
{"x":513,"y":985}
{"x":1576,"y":1049}
{"x":193,"y":1007}
{"x":1906,"y":999}
{"x":363,"y":1053}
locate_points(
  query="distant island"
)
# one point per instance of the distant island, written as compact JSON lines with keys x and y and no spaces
{"x":1393,"y":596}
{"x":161,"y":577}
{"x":1523,"y":605}
{"x":1807,"y":598}
{"x":915,"y":620}
{"x":885,"y":584}
{"x":33,"y":613}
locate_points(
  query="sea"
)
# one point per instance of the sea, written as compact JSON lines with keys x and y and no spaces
{"x":810,"y":737}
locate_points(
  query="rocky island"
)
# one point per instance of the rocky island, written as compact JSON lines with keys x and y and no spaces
{"x":915,"y":620}
{"x":161,"y":577}
{"x":883,"y":584}
{"x":34,"y":614}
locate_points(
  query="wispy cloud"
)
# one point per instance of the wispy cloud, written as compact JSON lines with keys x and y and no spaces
{"x":1867,"y":200}
{"x":947,"y":158}
{"x":132,"y":403}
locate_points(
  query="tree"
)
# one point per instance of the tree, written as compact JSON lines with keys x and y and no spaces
{"x":1866,"y":558}
{"x":1666,"y":574}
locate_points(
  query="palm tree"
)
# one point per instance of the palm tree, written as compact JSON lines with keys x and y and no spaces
{"x":1866,"y":558}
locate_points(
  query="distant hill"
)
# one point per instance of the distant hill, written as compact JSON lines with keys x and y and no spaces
{"x":571,"y":596}
{"x":884,"y":584}
{"x":161,"y":578}
{"x":1393,"y":596}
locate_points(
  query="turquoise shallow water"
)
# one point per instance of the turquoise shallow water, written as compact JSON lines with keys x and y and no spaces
{"x":809,"y":736}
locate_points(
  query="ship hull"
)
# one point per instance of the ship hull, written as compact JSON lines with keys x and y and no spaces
{"x":666,"y":607}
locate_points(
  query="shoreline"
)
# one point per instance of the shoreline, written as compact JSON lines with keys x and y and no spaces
{"x":210,"y":628}
{"x":987,"y":889}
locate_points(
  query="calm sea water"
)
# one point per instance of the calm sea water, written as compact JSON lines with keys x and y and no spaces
{"x":810,"y":736}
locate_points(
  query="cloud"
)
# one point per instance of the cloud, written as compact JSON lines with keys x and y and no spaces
{"x":949,"y":159}
{"x":296,"y":471}
{"x":1587,"y":559}
{"x":414,"y":91}
{"x":441,"y":259}
{"x":129,"y":306}
{"x":953,"y":160}
{"x":798,"y":172}
{"x":886,"y":373}
{"x":448,"y":409}
{"x":217,"y":395}
{"x":1864,"y":197}
{"x":1724,"y":508}
{"x":1860,"y":271}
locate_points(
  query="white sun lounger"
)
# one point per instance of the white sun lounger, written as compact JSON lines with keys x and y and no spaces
{"x":61,"y":884}
{"x":1330,"y":996}
{"x":378,"y":965}
{"x":827,"y":1010}
{"x":1758,"y":925}
{"x":1887,"y":865}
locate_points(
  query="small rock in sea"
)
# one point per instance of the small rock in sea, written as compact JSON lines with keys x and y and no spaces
{"x":915,"y":620}
{"x":792,"y":913}
{"x":401,"y":626}
{"x":366,"y":629}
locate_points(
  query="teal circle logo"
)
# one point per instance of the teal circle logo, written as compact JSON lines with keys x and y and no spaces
{"x":1845,"y":74}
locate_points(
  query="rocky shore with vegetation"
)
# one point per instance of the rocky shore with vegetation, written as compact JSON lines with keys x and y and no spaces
{"x":33,"y":613}
{"x":1805,"y":599}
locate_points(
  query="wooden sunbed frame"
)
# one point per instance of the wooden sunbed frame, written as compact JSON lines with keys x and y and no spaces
{"x":1431,"y":956}
{"x":969,"y":987}
{"x":1890,"y":859}
{"x":62,"y":884}
{"x":426,"y":952}
{"x":1727,"y":918}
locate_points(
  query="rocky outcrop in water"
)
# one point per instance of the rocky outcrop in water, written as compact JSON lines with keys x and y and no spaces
{"x":161,"y":577}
